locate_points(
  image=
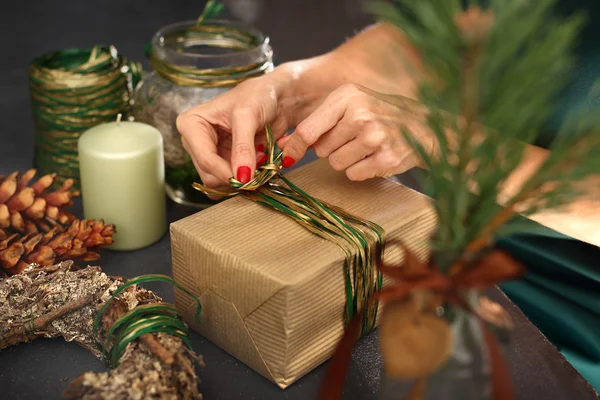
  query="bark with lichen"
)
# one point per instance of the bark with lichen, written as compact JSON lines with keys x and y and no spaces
{"x":54,"y":301}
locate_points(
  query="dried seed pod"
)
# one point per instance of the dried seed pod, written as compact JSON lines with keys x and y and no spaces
{"x":17,"y":252}
{"x":32,"y":208}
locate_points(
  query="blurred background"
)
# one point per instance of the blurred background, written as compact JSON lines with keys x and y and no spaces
{"x":297,"y":28}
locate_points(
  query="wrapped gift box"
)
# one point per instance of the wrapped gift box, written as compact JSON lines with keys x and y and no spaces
{"x":272,"y":292}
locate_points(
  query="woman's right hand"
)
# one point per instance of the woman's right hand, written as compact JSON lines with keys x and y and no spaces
{"x":222,"y":135}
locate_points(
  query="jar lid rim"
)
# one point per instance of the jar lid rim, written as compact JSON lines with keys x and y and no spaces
{"x":262,"y":39}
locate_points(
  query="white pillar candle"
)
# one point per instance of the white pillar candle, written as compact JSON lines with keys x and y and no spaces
{"x":122,"y":181}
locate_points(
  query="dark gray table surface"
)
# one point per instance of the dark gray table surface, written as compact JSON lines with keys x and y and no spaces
{"x":299,"y":29}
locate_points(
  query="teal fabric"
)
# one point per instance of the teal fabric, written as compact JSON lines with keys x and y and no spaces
{"x":577,"y":97}
{"x":561,"y":294}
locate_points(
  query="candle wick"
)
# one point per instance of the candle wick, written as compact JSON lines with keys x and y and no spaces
{"x":119,"y":118}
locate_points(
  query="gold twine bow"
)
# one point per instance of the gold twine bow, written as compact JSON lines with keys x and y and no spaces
{"x":362,"y":241}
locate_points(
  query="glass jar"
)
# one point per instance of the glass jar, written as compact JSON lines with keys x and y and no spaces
{"x":193,"y":63}
{"x":467,"y":374}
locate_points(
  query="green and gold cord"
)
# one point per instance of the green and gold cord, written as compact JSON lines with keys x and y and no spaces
{"x":361,"y":241}
{"x":214,"y":35}
{"x":156,"y":317}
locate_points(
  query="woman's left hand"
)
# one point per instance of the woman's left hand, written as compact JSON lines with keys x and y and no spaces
{"x":360,"y":132}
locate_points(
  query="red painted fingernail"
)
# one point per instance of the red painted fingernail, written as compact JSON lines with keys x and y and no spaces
{"x":243,"y":174}
{"x":260,"y":148}
{"x":261,"y":160}
{"x":287,"y":162}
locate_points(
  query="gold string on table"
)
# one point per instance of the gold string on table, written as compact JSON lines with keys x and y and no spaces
{"x":361,"y":241}
{"x":73,"y":90}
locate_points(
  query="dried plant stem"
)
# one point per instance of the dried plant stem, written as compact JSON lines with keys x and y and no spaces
{"x":484,"y":240}
{"x":23,"y":331}
{"x":166,"y":356}
{"x":469,"y":98}
{"x":499,"y":219}
{"x":55,"y":301}
{"x":503,"y":216}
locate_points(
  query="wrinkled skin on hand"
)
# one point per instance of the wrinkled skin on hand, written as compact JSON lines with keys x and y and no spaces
{"x":360,"y":132}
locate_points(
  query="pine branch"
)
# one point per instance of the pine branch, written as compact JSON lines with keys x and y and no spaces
{"x":491,"y":76}
{"x":211,"y":10}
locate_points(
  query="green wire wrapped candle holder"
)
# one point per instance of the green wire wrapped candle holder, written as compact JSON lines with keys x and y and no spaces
{"x":73,"y":90}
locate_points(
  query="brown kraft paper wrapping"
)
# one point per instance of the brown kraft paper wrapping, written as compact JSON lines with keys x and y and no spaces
{"x":272,"y":292}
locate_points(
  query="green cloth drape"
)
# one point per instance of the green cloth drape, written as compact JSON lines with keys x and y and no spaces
{"x":561,"y":292}
{"x":561,"y":295}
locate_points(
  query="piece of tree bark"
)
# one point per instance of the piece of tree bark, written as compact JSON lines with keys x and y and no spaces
{"x":54,"y":301}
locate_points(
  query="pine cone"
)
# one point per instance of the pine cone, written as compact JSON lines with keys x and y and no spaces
{"x":17,"y":252}
{"x":29,"y":209}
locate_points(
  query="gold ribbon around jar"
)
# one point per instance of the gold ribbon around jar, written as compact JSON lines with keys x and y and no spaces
{"x":216,"y":36}
{"x":362,"y":241}
{"x":73,"y":90}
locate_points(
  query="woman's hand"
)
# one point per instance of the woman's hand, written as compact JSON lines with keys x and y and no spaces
{"x":360,"y":132}
{"x":221,"y":135}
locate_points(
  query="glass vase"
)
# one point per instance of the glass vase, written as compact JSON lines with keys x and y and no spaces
{"x":192,"y":64}
{"x":466,"y":375}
